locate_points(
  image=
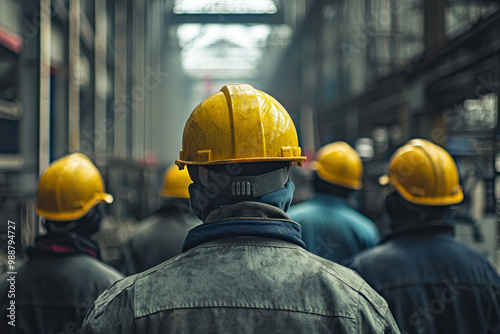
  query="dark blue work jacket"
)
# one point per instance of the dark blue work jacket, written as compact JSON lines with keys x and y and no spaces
{"x":433,"y":283}
{"x":332,"y":229}
{"x":159,"y":238}
{"x":53,"y":290}
{"x":243,"y":271}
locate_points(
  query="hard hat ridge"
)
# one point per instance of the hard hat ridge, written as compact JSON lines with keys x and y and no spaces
{"x":236,"y":125}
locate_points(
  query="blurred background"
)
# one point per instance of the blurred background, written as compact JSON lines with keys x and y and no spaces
{"x":117,"y":79}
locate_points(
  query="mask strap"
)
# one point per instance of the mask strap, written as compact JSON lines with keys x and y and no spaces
{"x":243,"y":187}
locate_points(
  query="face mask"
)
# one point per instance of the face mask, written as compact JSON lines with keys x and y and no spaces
{"x":202,"y":201}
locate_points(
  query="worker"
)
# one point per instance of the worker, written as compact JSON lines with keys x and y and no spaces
{"x":161,"y":235}
{"x":331,"y":227}
{"x":245,"y":269}
{"x":433,"y":283}
{"x":63,"y":275}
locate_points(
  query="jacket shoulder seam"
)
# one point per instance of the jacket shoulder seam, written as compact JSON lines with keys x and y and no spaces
{"x":112,"y":293}
{"x":284,"y":309}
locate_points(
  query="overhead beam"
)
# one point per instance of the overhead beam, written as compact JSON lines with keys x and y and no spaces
{"x":277,"y":18}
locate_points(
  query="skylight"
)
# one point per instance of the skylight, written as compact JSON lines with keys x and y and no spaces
{"x":223,"y":51}
{"x":225,"y":7}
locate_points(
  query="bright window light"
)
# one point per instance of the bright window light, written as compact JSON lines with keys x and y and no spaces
{"x":222,"y":50}
{"x":225,"y":7}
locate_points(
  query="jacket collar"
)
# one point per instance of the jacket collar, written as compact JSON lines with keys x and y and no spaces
{"x":54,"y":244}
{"x":419,"y":228}
{"x":245,"y":219}
{"x":246,"y":210}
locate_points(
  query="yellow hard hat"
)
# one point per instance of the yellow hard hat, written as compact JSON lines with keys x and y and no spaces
{"x":425,"y":174}
{"x":176,"y":183}
{"x":239,"y":124}
{"x":339,"y":164}
{"x":69,"y":188}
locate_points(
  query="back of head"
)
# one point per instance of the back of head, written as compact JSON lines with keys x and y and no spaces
{"x":88,"y":225}
{"x":338,"y":169}
{"x":424,"y":180}
{"x":69,"y":190}
{"x":238,"y":144}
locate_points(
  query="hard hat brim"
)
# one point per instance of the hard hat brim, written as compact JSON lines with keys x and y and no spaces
{"x":296,"y":160}
{"x":454,"y":199}
{"x":107,"y":198}
{"x":77,"y":213}
{"x":174,"y":193}
{"x":334,"y":179}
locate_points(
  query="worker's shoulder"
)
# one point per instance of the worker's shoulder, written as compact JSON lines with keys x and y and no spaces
{"x":113,"y":292}
{"x":124,"y":288}
{"x":306,"y":208}
{"x":357,"y":287}
{"x":95,"y":266}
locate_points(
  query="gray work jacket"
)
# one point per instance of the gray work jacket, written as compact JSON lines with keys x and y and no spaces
{"x":242,"y":284}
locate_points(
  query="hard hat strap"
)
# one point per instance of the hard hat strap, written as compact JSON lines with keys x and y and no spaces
{"x":242,"y":187}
